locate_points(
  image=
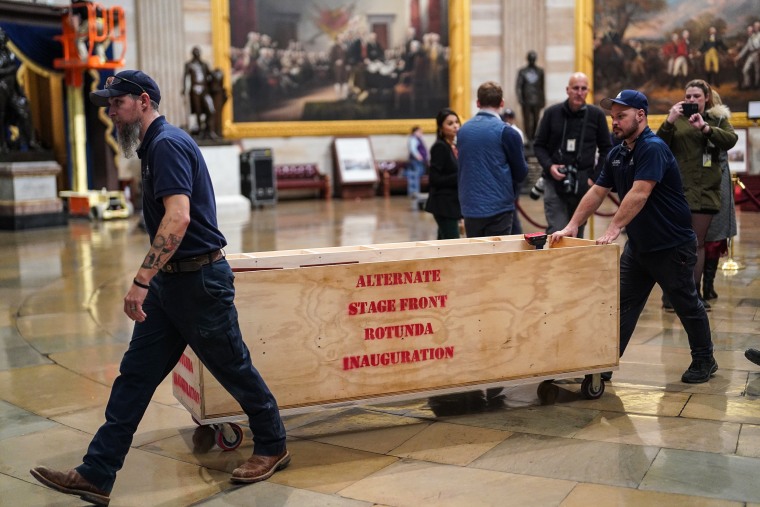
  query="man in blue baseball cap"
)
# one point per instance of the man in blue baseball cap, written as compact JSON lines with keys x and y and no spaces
{"x":181,"y":295}
{"x":661,"y":246}
{"x":133,"y":82}
{"x":630,"y":98}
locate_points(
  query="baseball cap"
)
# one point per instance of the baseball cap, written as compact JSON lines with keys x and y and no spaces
{"x":630,"y":98}
{"x":127,"y":81}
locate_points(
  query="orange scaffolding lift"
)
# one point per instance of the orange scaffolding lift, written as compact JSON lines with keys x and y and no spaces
{"x":88,"y":30}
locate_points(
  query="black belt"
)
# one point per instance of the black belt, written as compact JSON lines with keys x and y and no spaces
{"x":189,"y":264}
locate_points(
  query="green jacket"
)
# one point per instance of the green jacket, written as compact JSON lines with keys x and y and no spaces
{"x":700,"y":184}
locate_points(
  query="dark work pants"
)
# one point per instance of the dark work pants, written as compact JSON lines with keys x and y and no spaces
{"x":195,"y":309}
{"x":673,"y":270}
{"x":498,"y":225}
{"x":448,"y":228}
{"x":559,"y":208}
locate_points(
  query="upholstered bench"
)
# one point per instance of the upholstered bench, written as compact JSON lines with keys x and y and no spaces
{"x":302,"y":177}
{"x":393,"y":177}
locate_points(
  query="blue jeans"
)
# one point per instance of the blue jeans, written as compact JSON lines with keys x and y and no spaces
{"x":414,"y":173}
{"x":195,"y":309}
{"x":673,"y":270}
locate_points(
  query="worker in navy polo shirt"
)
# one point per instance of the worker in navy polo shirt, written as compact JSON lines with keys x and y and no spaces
{"x":661,"y":246}
{"x":182,"y":295}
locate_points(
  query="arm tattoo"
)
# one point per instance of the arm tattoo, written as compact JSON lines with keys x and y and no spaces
{"x":161,"y":251}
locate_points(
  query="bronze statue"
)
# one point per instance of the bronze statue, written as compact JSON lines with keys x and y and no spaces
{"x":530,"y":94}
{"x":201,"y":101}
{"x":14,"y":106}
{"x":219,"y":97}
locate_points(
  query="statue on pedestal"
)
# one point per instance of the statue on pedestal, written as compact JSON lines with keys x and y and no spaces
{"x":197,"y":82}
{"x":219,"y":97}
{"x":14,"y":105}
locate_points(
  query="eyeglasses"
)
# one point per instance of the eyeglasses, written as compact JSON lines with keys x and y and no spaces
{"x":113,"y":80}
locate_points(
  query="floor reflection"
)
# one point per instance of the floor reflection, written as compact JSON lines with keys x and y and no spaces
{"x":648,"y":440}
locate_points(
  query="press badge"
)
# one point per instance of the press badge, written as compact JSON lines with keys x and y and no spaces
{"x":706,"y":159}
{"x":570,"y":148}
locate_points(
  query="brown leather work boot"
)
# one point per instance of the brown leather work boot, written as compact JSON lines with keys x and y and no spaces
{"x":259,"y":468}
{"x":70,"y":482}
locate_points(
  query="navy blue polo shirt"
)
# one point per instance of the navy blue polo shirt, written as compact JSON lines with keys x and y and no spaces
{"x":172,"y":164}
{"x":665,"y":220}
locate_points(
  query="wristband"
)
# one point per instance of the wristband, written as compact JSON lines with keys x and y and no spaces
{"x":141,"y":285}
{"x":703,"y":128}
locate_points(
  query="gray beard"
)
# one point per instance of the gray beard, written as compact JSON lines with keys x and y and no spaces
{"x":129,"y":138}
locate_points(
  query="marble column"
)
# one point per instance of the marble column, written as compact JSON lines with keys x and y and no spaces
{"x":524,"y":30}
{"x":161,"y":53}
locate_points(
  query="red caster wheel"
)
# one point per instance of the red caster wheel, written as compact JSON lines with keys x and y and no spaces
{"x":229,"y":436}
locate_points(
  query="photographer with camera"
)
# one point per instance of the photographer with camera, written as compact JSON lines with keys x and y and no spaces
{"x":568,"y":137}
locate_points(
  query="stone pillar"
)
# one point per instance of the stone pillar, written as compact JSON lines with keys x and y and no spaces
{"x":28,"y":195}
{"x":560,"y":26}
{"x":525,"y":30}
{"x":161,"y":52}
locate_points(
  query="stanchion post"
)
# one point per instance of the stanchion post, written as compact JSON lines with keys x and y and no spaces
{"x":730,"y":264}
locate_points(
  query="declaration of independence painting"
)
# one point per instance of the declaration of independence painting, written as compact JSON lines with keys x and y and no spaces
{"x":328,"y":60}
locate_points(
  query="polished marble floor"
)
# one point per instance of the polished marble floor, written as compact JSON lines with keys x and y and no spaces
{"x":649,"y":440}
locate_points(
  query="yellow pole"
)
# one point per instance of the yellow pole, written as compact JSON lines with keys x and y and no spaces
{"x":78,"y":139}
{"x":730,"y":264}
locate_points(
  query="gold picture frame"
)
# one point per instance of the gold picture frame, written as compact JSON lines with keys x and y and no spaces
{"x":586,"y":40}
{"x":458,"y":72}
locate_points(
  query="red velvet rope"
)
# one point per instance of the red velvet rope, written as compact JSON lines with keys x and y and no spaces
{"x":747,"y":193}
{"x":532,"y":222}
{"x":749,"y":197}
{"x":541,"y":226}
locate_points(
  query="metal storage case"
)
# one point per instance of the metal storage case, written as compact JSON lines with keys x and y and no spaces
{"x":257,"y":176}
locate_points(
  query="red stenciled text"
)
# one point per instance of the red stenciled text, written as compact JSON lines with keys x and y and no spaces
{"x":399,"y":331}
{"x":186,"y":362}
{"x":186,"y":388}
{"x":381,"y":306}
{"x":423,"y":303}
{"x":400,"y":278}
{"x":397,"y":357}
{"x":400,"y":305}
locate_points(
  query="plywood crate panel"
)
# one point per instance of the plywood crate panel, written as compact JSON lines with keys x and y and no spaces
{"x":382,"y":320}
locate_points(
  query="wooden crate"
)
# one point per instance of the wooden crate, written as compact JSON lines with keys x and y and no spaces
{"x":331,"y":325}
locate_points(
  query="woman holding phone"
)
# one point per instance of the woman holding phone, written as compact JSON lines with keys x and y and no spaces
{"x":698,"y":130}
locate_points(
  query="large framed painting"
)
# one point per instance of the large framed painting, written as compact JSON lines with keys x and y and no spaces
{"x":737,"y":156}
{"x":657,"y":46}
{"x":340,"y":67}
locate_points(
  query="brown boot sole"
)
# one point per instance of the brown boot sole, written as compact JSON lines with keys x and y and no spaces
{"x":283,"y":463}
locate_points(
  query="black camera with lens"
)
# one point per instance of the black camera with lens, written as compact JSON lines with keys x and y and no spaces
{"x":537,"y":190}
{"x":570,"y":183}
